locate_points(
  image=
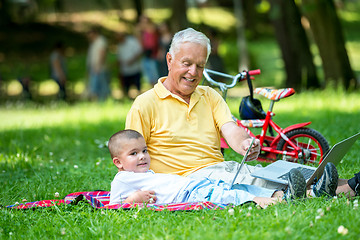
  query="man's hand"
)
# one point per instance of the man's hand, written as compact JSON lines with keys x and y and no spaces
{"x":239,"y":140}
{"x":254,"y":151}
{"x":140,"y":196}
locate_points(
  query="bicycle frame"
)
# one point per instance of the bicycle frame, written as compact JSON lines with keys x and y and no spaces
{"x":273,"y":140}
{"x":269,"y":151}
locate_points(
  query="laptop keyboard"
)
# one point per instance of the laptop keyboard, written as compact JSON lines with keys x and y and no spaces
{"x":305,"y":172}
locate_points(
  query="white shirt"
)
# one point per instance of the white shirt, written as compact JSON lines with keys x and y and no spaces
{"x":166,"y":186}
{"x":125,"y":52}
{"x":94,"y":60}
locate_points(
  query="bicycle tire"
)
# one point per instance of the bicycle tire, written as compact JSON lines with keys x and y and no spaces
{"x":314,"y":145}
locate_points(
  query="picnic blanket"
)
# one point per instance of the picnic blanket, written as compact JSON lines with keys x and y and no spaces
{"x":101,"y":199}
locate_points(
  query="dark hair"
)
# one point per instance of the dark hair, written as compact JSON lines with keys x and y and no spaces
{"x":94,"y":29}
{"x":115,"y":140}
{"x":59,"y":45}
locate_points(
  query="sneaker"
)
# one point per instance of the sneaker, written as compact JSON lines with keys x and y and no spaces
{"x":296,"y":185}
{"x":354,"y":184}
{"x":327,"y":184}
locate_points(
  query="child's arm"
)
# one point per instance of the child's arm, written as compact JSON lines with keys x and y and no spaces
{"x":140,"y":196}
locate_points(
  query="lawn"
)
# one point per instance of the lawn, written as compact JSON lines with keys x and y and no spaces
{"x":56,"y":147}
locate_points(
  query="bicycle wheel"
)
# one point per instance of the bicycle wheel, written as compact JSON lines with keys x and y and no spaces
{"x":313,"y":146}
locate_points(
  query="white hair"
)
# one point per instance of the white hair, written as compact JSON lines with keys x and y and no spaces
{"x":192,"y":36}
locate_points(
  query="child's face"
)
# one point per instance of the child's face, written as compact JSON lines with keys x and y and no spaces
{"x":134,"y":156}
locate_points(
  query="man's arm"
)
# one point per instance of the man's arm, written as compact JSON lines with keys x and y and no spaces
{"x":239,"y":140}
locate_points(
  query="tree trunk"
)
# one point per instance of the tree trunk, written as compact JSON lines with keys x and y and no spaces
{"x":294,"y":45}
{"x":139,"y":8}
{"x":5,"y":17}
{"x":327,"y":31}
{"x":179,"y":18}
{"x":241,"y":38}
{"x":253,"y":19}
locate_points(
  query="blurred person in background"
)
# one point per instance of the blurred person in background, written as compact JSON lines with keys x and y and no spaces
{"x":25,"y":82}
{"x":215,"y":61}
{"x":148,"y":36}
{"x":58,"y":68}
{"x":165,"y":37}
{"x":128,"y":56}
{"x":96,"y":65}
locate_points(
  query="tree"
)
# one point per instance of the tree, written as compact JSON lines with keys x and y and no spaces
{"x":241,"y":38}
{"x":5,"y":17}
{"x":327,"y":31}
{"x":139,"y":8}
{"x":179,"y":18}
{"x":294,"y":45}
{"x":254,"y":18}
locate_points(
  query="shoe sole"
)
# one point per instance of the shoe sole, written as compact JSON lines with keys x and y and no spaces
{"x":297,"y":184}
{"x":329,"y":182}
{"x":332,"y":177}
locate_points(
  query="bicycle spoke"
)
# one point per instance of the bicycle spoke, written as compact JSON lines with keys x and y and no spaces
{"x":308,"y":143}
{"x":307,"y":146}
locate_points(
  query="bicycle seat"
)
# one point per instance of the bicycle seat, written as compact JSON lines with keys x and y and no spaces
{"x":275,"y":94}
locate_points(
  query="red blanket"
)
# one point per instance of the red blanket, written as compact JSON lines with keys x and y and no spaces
{"x":100,"y":199}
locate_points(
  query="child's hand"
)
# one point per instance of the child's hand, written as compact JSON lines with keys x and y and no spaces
{"x":142,"y":196}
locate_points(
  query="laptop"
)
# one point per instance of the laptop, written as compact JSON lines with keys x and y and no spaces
{"x":278,"y":170}
{"x":242,"y":162}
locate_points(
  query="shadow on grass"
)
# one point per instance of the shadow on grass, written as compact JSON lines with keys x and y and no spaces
{"x":36,"y":163}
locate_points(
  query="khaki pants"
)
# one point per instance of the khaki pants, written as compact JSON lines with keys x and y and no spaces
{"x":226,"y":171}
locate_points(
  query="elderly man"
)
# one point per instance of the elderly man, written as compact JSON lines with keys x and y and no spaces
{"x":182,"y":122}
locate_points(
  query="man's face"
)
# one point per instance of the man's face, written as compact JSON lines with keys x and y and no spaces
{"x":134,"y":156}
{"x":185,"y":69}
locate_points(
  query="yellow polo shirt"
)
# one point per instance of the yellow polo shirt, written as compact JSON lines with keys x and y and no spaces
{"x":181,"y":137}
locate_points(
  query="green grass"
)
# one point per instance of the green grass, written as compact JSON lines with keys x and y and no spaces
{"x":41,"y":144}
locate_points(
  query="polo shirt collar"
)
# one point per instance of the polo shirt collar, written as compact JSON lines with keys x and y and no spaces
{"x":162,"y":92}
{"x":160,"y":89}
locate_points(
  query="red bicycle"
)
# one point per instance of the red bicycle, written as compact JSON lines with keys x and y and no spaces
{"x":295,"y":143}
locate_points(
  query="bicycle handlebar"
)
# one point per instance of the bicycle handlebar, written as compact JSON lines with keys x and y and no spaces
{"x":254,"y":72}
{"x":223,"y":87}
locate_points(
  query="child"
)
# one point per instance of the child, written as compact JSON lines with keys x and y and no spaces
{"x":136,"y":183}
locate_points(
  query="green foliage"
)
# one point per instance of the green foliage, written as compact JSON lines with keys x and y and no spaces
{"x":25,"y":48}
{"x":57,"y":147}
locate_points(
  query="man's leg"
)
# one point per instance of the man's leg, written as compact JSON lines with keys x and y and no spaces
{"x":93,"y":85}
{"x":103,"y":84}
{"x":226,"y":171}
